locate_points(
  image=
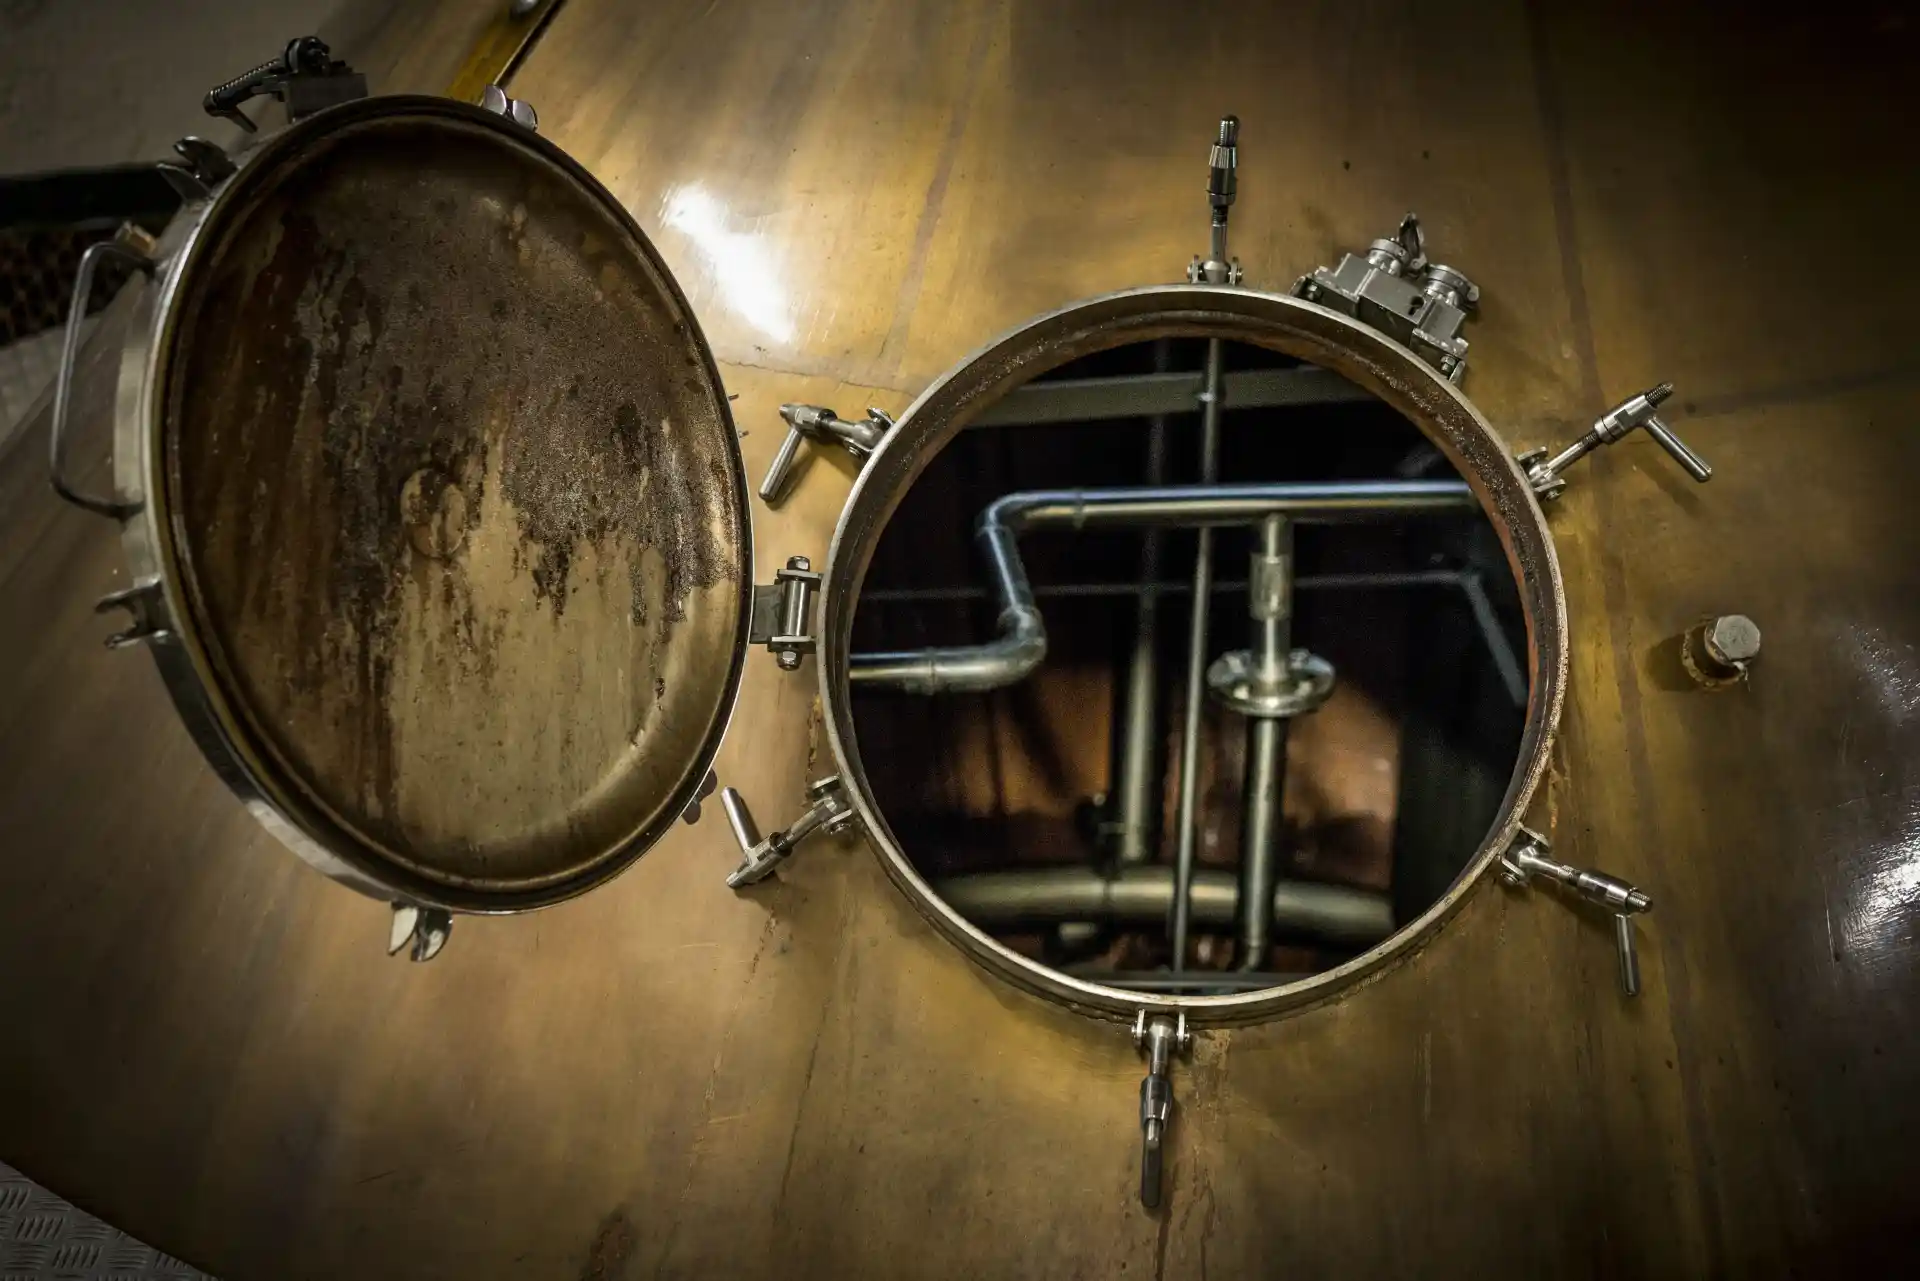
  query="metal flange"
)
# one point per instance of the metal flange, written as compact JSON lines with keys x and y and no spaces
{"x":1235,"y":682}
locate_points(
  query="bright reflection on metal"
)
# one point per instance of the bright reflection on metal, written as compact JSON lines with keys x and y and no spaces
{"x":742,"y":269}
{"x":1881,"y":926}
{"x":1884,"y":920}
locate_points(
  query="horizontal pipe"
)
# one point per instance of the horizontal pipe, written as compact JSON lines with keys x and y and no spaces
{"x":1506,"y":662}
{"x":1021,"y":642}
{"x":1144,"y":896}
{"x":1083,"y":400}
{"x":1005,"y":660}
{"x":1166,"y":587}
{"x":1201,"y":506}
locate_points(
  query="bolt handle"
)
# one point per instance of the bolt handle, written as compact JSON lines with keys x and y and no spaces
{"x":821,"y":426}
{"x":829,"y":811}
{"x":1693,"y":464}
{"x":1159,"y":1039}
{"x":1223,"y":187}
{"x":1530,"y":857}
{"x":1545,"y":474}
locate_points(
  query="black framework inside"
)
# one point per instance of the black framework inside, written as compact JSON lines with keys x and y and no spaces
{"x":1388,"y":788}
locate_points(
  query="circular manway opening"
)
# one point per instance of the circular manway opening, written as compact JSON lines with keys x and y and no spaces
{"x":1042,"y":800}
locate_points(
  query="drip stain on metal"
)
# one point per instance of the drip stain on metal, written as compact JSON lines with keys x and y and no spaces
{"x":431,"y":473}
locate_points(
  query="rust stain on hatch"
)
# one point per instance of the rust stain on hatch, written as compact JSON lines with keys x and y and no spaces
{"x":458,"y":503}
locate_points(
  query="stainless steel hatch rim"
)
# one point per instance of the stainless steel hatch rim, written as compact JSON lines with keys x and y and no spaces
{"x":139,"y":466}
{"x":1292,"y":327}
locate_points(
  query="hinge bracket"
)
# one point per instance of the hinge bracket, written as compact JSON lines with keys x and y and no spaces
{"x":782,"y":617}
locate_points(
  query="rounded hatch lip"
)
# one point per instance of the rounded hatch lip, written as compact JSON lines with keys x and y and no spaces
{"x":1294,"y":327}
{"x":234,"y":746}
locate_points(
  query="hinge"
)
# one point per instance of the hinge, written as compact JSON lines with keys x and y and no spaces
{"x":1159,"y":1038}
{"x":828,"y":811}
{"x":782,"y":617}
{"x":146,"y":610}
{"x":1531,"y":856}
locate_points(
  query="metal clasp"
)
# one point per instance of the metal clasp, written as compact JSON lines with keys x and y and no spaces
{"x":821,"y":426}
{"x":829,"y":812}
{"x":1159,"y":1038}
{"x":1545,"y":474}
{"x":427,"y":929}
{"x":146,"y":608}
{"x":1530,"y":856}
{"x":493,"y":98}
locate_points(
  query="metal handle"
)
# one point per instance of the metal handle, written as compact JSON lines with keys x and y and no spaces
{"x":1546,"y":474}
{"x":745,"y":831}
{"x":1159,"y":1038}
{"x":116,"y":507}
{"x":1694,"y":465}
{"x":773,"y":488}
{"x":1623,"y":942}
{"x":827,"y":811}
{"x":1531,"y":856}
{"x":823,"y":426}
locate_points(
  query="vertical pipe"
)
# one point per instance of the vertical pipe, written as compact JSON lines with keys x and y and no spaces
{"x":1136,"y":786}
{"x":1270,"y":606}
{"x":1196,"y":663}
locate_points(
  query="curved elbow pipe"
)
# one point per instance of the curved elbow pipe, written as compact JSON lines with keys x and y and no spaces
{"x":960,"y":669}
{"x":1021,"y":644}
{"x":1008,"y":658}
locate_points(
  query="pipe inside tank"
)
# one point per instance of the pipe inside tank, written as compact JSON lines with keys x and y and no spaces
{"x":1021,"y":644}
{"x":1143,"y":896}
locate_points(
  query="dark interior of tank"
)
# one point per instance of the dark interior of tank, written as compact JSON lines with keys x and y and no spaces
{"x":1010,"y":800}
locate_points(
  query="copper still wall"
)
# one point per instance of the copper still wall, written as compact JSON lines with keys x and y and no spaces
{"x":204,"y":1043}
